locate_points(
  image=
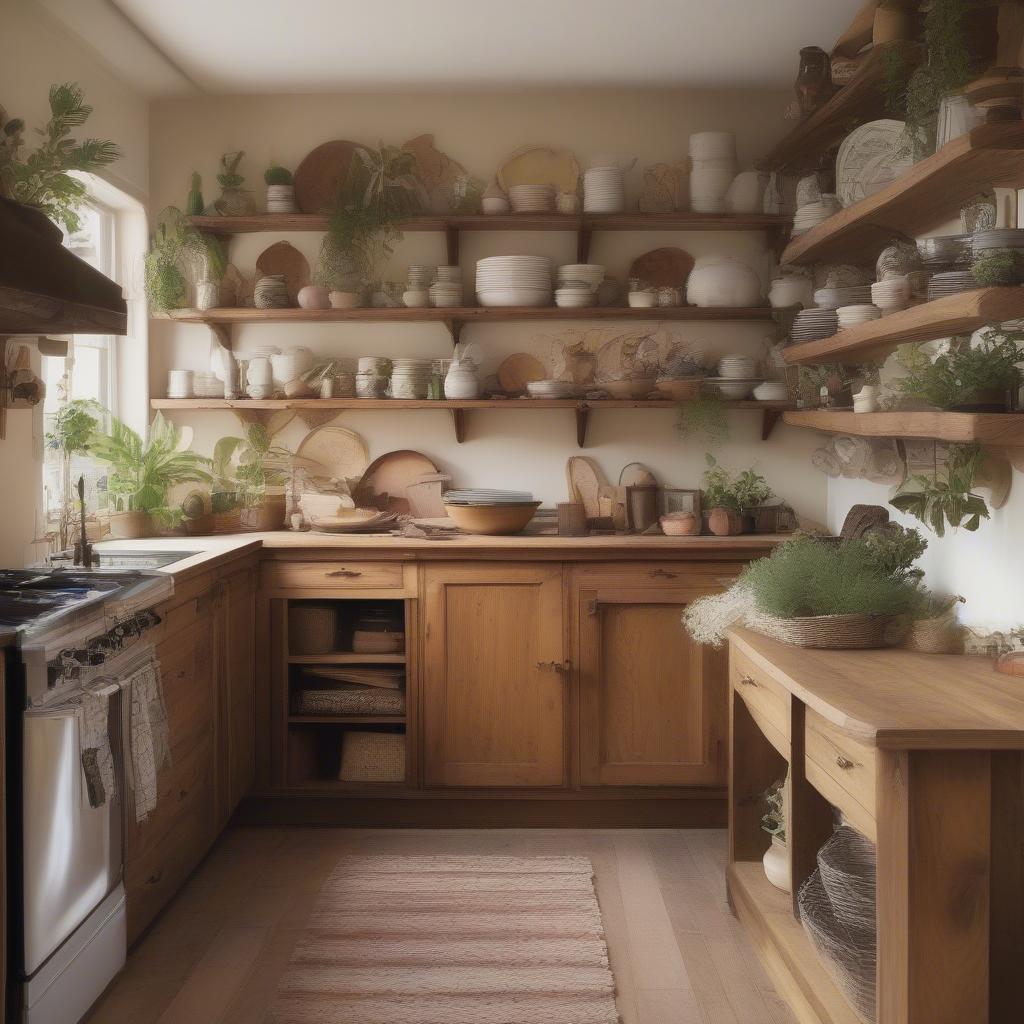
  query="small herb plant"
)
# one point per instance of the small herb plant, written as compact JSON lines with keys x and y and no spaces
{"x":967,"y":374}
{"x":229,"y":177}
{"x":277,"y":175}
{"x":946,"y":498}
{"x":735,"y":492}
{"x":42,"y":180}
{"x":773,"y":821}
{"x":998,"y":267}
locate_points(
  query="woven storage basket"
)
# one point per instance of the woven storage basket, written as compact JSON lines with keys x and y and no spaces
{"x":311,"y":627}
{"x":832,"y":632}
{"x":372,"y":757}
{"x":227,"y":522}
{"x":350,"y":699}
{"x":940,"y":635}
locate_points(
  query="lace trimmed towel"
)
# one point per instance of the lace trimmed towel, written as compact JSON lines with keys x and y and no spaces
{"x":149,"y":742}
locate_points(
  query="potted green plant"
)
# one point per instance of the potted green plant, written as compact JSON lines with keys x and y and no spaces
{"x":729,"y":498}
{"x":773,"y":821}
{"x":141,"y":474}
{"x":998,"y":268}
{"x":226,"y":490}
{"x":42,"y":180}
{"x":194,"y":203}
{"x":262,"y":473}
{"x":947,"y":497}
{"x":981,"y":377}
{"x":178,"y":253}
{"x":280,"y":189}
{"x":234,"y":200}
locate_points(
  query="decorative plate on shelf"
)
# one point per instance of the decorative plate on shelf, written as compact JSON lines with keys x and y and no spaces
{"x":341,"y":452}
{"x":540,"y":165}
{"x":871,"y":157}
{"x":321,"y":174}
{"x":518,"y":370}
{"x":668,"y":267}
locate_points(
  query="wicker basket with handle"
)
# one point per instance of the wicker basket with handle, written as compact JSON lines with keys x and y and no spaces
{"x":831,"y":632}
{"x":372,"y":757}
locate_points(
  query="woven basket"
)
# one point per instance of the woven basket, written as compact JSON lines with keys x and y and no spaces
{"x":227,"y":522}
{"x":372,"y":757}
{"x":311,"y":627}
{"x":940,"y":635}
{"x":831,"y":632}
{"x":350,"y":700}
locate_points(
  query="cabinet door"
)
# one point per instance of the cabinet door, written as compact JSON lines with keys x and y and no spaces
{"x":237,"y":735}
{"x":652,"y":703}
{"x":494,"y":683}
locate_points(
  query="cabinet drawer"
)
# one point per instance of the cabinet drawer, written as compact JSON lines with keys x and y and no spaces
{"x":340,"y":576}
{"x":768,"y":701}
{"x":842,"y":770}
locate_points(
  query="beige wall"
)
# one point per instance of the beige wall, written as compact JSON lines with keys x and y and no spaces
{"x":37,"y":54}
{"x":503,"y":449}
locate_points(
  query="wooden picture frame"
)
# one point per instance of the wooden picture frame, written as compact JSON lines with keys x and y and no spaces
{"x":680,"y":499}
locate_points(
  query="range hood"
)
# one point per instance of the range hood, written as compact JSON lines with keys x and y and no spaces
{"x":44,"y":288}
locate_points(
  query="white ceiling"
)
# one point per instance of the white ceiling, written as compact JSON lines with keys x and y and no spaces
{"x":265,"y":46}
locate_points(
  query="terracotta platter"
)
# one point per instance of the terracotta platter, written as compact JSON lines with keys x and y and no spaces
{"x":384,"y":482}
{"x":518,"y":370}
{"x":668,"y":267}
{"x":321,"y":175}
{"x":283,"y":258}
{"x":540,"y":165}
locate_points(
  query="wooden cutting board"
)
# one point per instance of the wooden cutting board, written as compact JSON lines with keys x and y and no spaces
{"x":517,"y":370}
{"x":668,"y":267}
{"x":322,"y":173}
{"x":586,"y":482}
{"x":284,"y":259}
{"x":385,"y":480}
{"x":636,"y":474}
{"x":342,"y":453}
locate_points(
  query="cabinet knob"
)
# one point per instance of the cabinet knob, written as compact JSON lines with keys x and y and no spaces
{"x":155,"y":878}
{"x":665,"y":574}
{"x":747,"y":681}
{"x":346,"y":573}
{"x":556,"y":666}
{"x":845,"y":763}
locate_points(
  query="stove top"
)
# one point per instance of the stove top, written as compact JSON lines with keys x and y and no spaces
{"x":28,"y":595}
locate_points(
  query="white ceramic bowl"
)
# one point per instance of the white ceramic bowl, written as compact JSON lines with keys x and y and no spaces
{"x":735,"y":390}
{"x":514,"y":297}
{"x":771,"y":391}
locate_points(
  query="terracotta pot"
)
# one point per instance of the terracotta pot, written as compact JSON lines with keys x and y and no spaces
{"x":268,"y":515}
{"x":723,"y":522}
{"x":131,"y":525}
{"x":680,"y":524}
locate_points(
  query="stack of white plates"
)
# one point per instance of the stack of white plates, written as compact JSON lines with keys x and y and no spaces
{"x":179,"y":383}
{"x":482,"y":496}
{"x":207,"y":385}
{"x":811,"y":324}
{"x":604,"y":190}
{"x":589,"y":273}
{"x":891,"y":295}
{"x":575,"y":295}
{"x":737,"y":367}
{"x":833,"y":298}
{"x":514,"y":281}
{"x":420,"y":277}
{"x":410,"y":378}
{"x":344,"y":384}
{"x":449,"y":275}
{"x":551,"y":389}
{"x":850,"y":316}
{"x":713,"y":159}
{"x":951,"y":283}
{"x":532,"y":198}
{"x":812,"y":214}
{"x":446,"y":294}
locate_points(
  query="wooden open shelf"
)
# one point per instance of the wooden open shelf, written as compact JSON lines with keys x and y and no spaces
{"x":250,"y":409}
{"x":963,"y":313}
{"x":773,"y":929}
{"x":930,"y":192}
{"x":582,"y":225}
{"x":860,"y":100}
{"x":999,"y":429}
{"x":346,"y":658}
{"x":346,"y":719}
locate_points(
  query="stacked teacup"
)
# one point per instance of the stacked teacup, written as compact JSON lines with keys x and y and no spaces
{"x":713,"y":156}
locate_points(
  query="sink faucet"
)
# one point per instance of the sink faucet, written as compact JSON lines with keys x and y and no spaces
{"x":83,"y":549}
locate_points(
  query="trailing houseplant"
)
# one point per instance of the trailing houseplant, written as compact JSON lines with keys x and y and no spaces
{"x":946,"y":498}
{"x":970,"y":377}
{"x":141,"y":474}
{"x":178,"y":254}
{"x":42,"y":180}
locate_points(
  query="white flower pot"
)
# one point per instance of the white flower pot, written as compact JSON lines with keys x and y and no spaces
{"x":776,"y":865}
{"x":280,"y":199}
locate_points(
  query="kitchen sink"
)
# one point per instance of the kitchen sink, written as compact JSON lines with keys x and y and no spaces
{"x":128,"y":559}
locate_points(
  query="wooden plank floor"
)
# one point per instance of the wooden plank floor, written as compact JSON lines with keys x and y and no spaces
{"x":678,"y":955}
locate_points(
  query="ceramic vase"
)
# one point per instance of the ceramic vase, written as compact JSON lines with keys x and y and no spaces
{"x":270,"y":292}
{"x":776,"y":865}
{"x":207,"y":294}
{"x":723,"y":281}
{"x":280,"y":199}
{"x":461,"y":383}
{"x":724,"y":523}
{"x":314,"y":297}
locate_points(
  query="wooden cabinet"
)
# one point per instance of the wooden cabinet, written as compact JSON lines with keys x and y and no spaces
{"x":652,"y":703}
{"x":494,"y":675}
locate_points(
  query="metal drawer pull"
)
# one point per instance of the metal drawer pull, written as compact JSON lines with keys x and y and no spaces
{"x":347,"y":573}
{"x":845,"y":763}
{"x":665,"y":573}
{"x":557,"y":666}
{"x":747,"y":681}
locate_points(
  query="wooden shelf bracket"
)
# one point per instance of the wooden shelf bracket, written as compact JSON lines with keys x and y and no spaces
{"x":582,"y":422}
{"x":769,"y":418}
{"x":459,"y":424}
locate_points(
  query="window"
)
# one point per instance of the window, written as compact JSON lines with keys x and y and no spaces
{"x":87,"y":372}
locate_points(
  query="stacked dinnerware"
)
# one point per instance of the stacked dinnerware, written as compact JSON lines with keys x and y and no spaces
{"x":206,"y":384}
{"x":740,"y":367}
{"x":813,"y":213}
{"x":734,"y":388}
{"x":812,"y":324}
{"x":372,"y":377}
{"x":179,"y":383}
{"x":514,"y":281}
{"x":852,"y":295}
{"x":551,"y":389}
{"x":891,"y":294}
{"x":483,"y":496}
{"x":951,"y":283}
{"x":532,"y":198}
{"x":945,"y":252}
{"x":446,"y":294}
{"x":420,"y":277}
{"x":410,"y":378}
{"x":997,"y":238}
{"x":449,"y":275}
{"x":713,"y":156}
{"x":575,"y":295}
{"x":772,"y":391}
{"x":604,"y":190}
{"x":590,"y":273}
{"x":851,"y":316}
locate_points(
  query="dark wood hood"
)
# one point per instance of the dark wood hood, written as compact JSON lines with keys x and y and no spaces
{"x":44,"y":288}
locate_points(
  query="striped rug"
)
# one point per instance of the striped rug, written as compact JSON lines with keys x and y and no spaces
{"x":452,"y":940}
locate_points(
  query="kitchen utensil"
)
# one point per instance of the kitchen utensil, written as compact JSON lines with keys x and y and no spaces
{"x":385,"y":480}
{"x":585,"y":480}
{"x":492,"y":520}
{"x":516,"y":371}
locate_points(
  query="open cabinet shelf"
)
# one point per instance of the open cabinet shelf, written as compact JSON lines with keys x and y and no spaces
{"x":930,"y":192}
{"x":962,"y":313}
{"x":956,"y":427}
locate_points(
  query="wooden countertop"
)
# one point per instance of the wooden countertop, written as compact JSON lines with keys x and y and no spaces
{"x":899,"y":699}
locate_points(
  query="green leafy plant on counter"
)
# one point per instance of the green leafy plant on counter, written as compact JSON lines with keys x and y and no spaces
{"x":142,"y":472}
{"x":808,"y":576}
{"x":735,"y":492}
{"x":945,"y":67}
{"x":947,"y":498}
{"x":42,"y":180}
{"x":704,"y":418}
{"x":226,"y":490}
{"x":895,"y":549}
{"x":277,"y":175}
{"x":177,"y":252}
{"x":967,"y":374}
{"x":261,"y":465}
{"x":998,"y":267}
